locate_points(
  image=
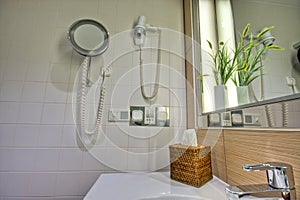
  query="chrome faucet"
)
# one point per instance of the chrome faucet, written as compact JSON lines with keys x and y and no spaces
{"x":280,"y":183}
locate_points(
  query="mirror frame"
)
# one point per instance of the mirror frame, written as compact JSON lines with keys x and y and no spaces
{"x":80,"y":50}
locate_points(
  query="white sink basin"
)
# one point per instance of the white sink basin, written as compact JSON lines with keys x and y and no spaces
{"x":152,"y":186}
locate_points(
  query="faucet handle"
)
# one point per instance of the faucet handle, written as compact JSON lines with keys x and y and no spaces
{"x":256,"y":167}
{"x":280,"y":175}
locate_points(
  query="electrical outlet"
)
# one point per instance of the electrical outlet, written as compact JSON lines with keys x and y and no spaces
{"x":252,"y":119}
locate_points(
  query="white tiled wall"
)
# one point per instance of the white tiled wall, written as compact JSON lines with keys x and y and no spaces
{"x":40,"y":156}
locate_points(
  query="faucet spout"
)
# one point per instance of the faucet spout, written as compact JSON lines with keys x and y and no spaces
{"x":280,"y":182}
{"x":259,"y":191}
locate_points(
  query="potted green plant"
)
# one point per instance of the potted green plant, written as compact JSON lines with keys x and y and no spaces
{"x":223,"y":70}
{"x":248,"y":60}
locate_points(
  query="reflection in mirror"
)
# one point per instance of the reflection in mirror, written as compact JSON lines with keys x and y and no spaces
{"x":281,"y":69}
{"x":89,"y":37}
{"x":281,"y":115}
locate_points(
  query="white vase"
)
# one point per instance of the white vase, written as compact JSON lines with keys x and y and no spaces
{"x":221,"y":97}
{"x":243,"y":95}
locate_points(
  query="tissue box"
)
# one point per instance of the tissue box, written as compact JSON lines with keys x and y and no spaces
{"x":190,"y":165}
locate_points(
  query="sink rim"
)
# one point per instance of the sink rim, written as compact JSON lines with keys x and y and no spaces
{"x":155,"y":185}
{"x":154,"y":197}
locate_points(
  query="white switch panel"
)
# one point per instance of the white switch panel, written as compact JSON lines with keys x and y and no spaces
{"x":137,"y":115}
{"x":252,"y":119}
{"x":118,"y":115}
{"x":150,"y":115}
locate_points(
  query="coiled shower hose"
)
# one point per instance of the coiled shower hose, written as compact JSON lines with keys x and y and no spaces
{"x":157,"y":76}
{"x":285,"y":114}
{"x":89,"y":136}
{"x":269,"y":114}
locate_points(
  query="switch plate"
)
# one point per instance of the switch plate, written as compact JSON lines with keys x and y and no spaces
{"x":137,"y":115}
{"x":237,"y":118}
{"x":118,"y":115}
{"x":214,"y":120}
{"x":252,"y":119}
{"x":226,"y":119}
{"x":149,"y":116}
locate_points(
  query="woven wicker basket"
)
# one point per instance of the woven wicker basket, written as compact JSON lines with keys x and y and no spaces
{"x":190,"y":165}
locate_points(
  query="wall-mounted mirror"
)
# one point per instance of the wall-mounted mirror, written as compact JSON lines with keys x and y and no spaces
{"x":88,"y":37}
{"x":281,"y":68}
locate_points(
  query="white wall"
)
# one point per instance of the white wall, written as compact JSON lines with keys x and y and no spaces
{"x":39,"y":153}
{"x":284,"y":15}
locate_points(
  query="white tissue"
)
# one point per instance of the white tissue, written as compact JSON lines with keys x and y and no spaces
{"x":189,"y":138}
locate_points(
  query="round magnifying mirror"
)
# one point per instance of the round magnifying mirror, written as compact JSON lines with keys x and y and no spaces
{"x":88,"y":37}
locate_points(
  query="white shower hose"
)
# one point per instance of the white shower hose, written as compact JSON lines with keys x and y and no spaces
{"x":89,"y":136}
{"x":285,"y":114}
{"x":157,"y":76}
{"x":269,"y":114}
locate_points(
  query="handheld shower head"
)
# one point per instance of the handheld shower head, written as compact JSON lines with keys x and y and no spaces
{"x":267,"y":39}
{"x":264,"y":38}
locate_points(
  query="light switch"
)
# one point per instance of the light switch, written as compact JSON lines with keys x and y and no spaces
{"x":137,"y":115}
{"x":117,"y":115}
{"x":149,"y":116}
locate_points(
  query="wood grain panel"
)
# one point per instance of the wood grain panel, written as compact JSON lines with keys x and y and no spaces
{"x":247,"y":147}
{"x":214,"y":138}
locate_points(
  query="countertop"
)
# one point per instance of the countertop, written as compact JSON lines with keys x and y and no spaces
{"x":138,"y":186}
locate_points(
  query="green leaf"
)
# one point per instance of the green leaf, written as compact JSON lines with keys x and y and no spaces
{"x":246,"y":30}
{"x":275,"y":47}
{"x":252,"y":79}
{"x":264,"y":31}
{"x":209,"y":44}
{"x":245,"y":66}
{"x":201,"y":76}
